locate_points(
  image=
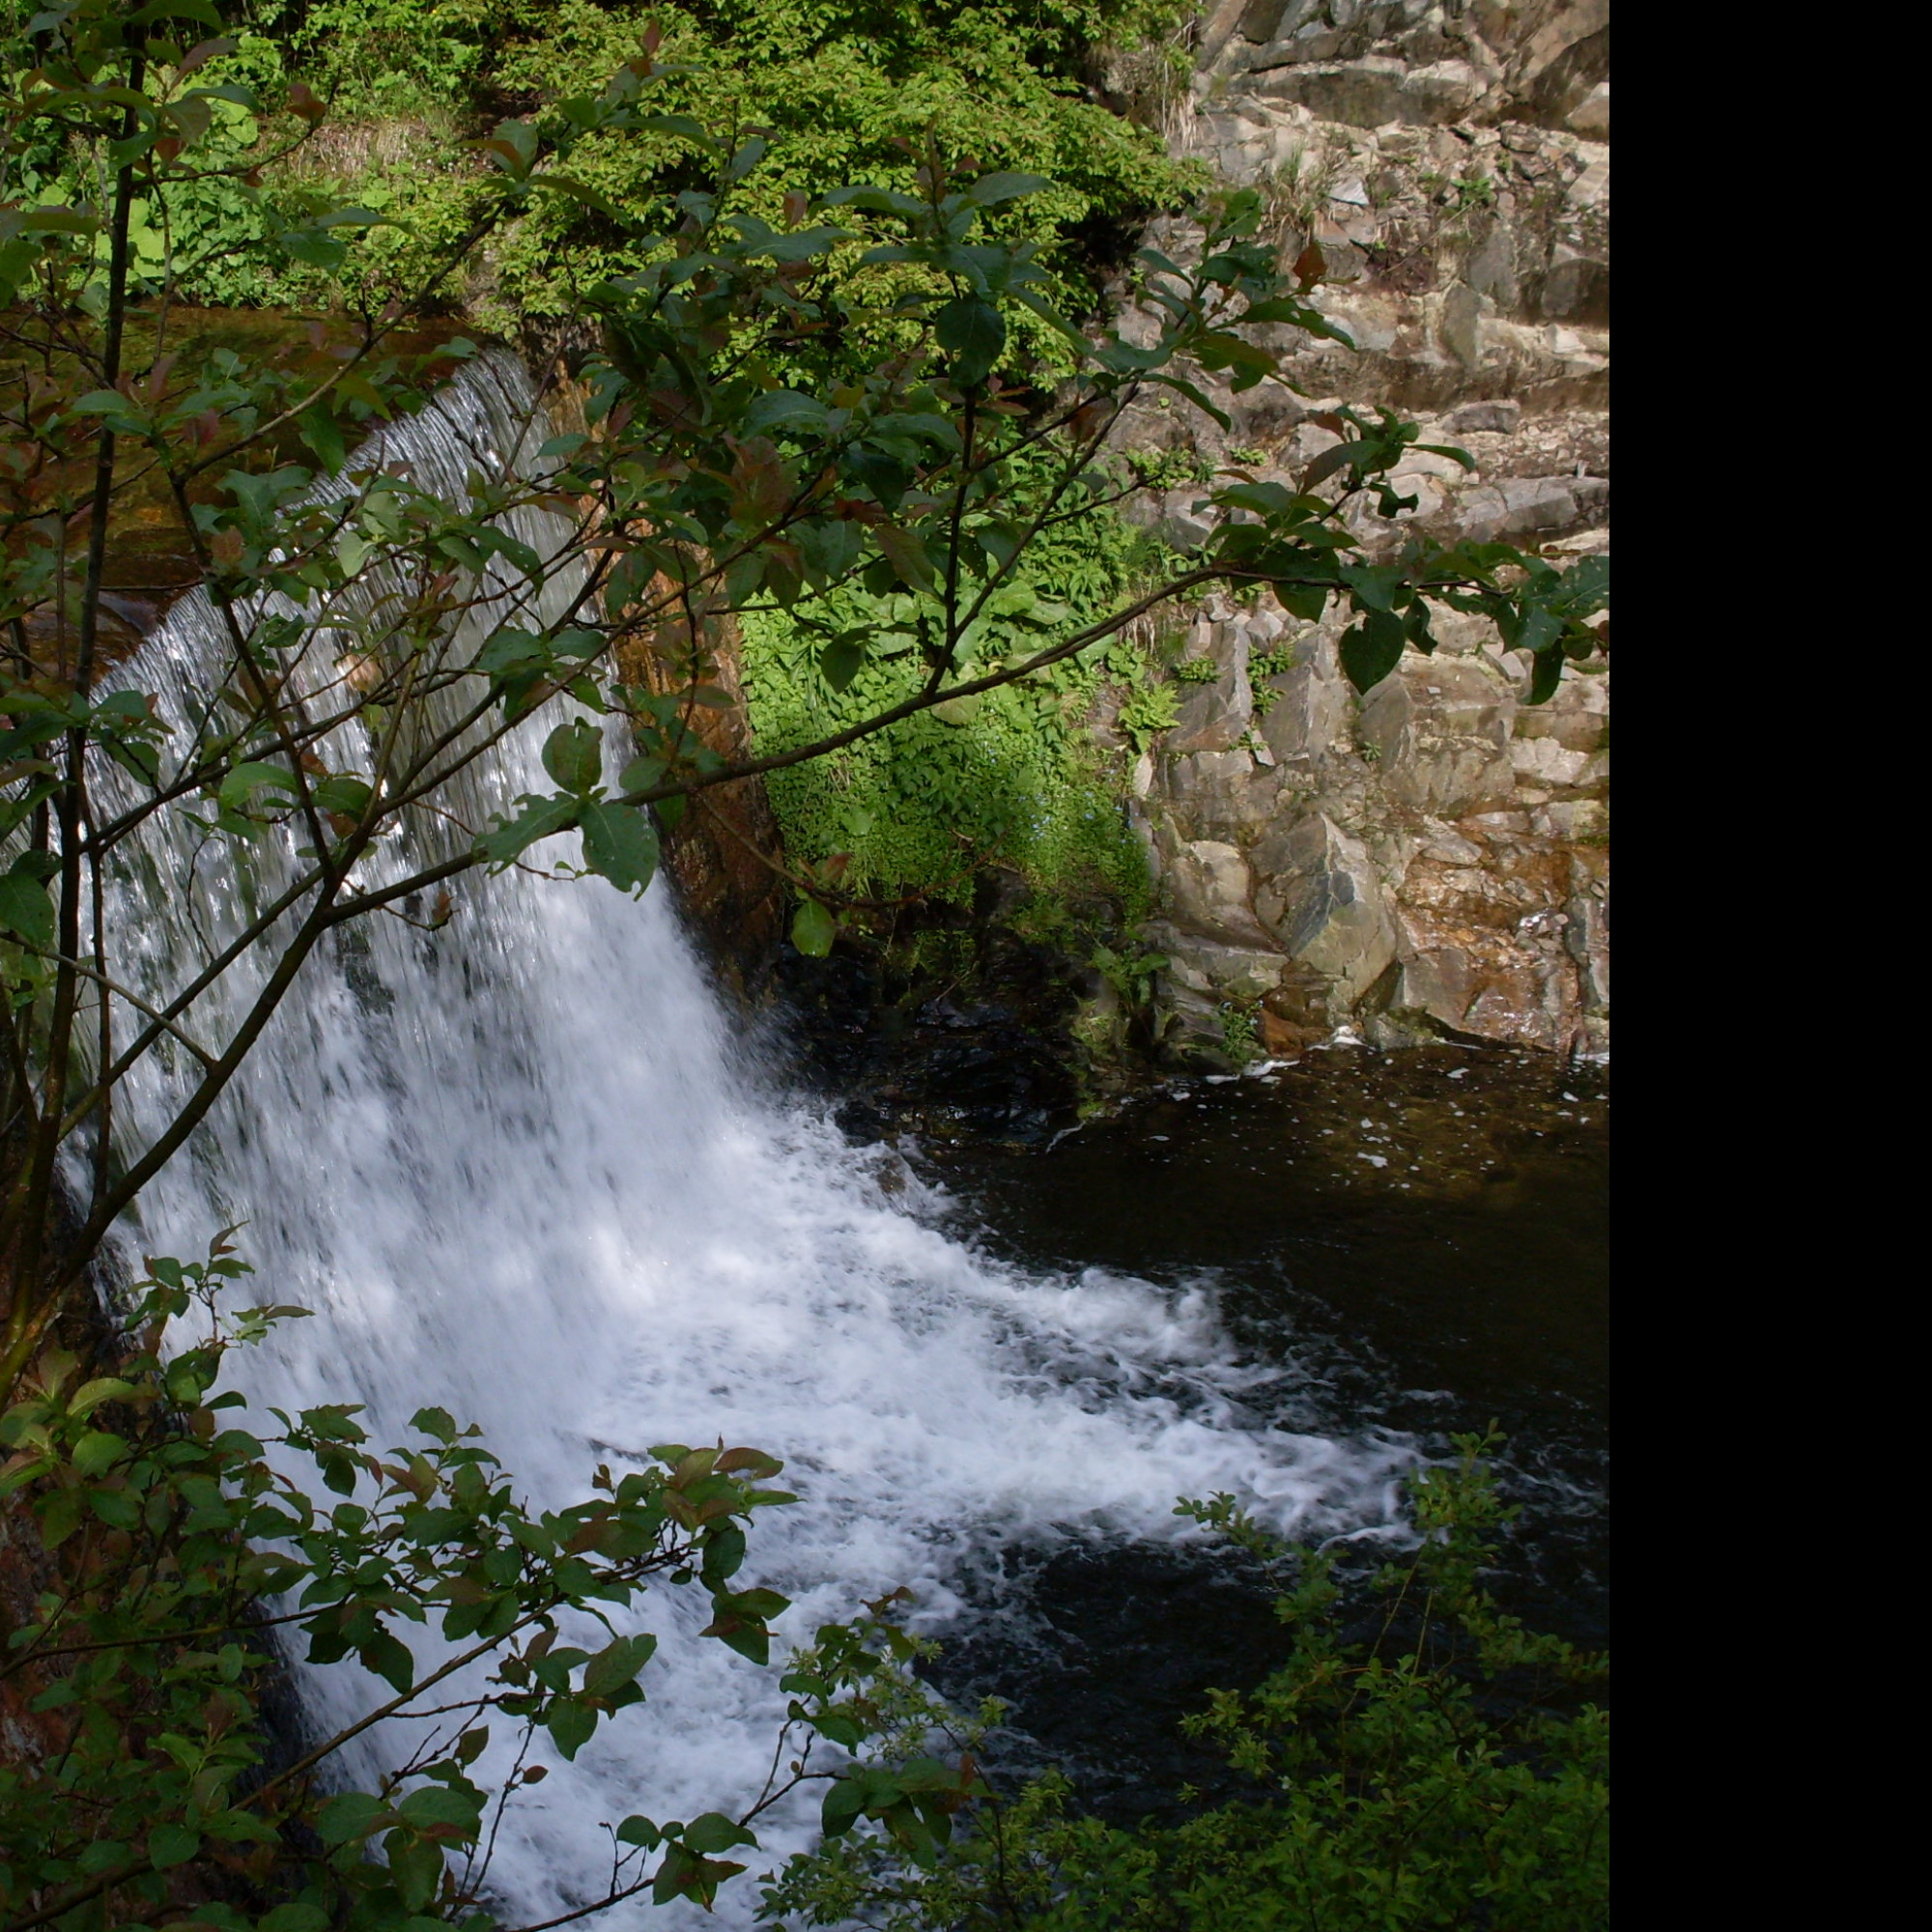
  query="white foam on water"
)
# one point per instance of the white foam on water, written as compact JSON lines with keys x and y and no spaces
{"x":516,"y":1170}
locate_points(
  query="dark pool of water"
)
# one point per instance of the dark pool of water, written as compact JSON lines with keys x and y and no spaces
{"x":1422,"y":1239}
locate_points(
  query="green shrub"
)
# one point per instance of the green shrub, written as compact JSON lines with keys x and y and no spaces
{"x":165,"y":1528}
{"x":1419,"y":1761}
{"x":1013,"y":776}
{"x":844,"y":91}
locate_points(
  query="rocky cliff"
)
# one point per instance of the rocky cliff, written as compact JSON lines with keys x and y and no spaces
{"x":1430,"y":860}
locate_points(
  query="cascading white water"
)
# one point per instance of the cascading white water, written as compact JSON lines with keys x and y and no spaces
{"x":516,"y":1169}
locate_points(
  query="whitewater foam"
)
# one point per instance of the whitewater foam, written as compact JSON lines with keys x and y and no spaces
{"x":516,"y":1169}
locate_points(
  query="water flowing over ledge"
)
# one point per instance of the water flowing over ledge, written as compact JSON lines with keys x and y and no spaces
{"x":516,"y":1168}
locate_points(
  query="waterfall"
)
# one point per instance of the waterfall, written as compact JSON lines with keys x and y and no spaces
{"x":516,"y":1167}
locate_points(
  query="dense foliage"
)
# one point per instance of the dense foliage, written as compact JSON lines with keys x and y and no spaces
{"x":836,"y":92}
{"x":1013,"y":777}
{"x":1417,"y":1759}
{"x":157,"y":1794}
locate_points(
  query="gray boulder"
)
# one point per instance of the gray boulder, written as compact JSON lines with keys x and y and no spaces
{"x":1441,"y":727}
{"x":1317,"y":891}
{"x":1209,"y":890}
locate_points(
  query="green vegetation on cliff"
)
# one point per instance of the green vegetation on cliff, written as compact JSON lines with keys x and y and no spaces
{"x":1013,"y":777}
{"x":834,"y":93}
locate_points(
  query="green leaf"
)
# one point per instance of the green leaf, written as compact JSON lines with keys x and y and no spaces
{"x":324,"y":435}
{"x":749,"y":1638}
{"x":802,"y":245}
{"x":724,"y":1555}
{"x":60,"y":1516}
{"x":91,"y":1394}
{"x":541,"y":819}
{"x":172,"y":1845}
{"x":879,"y":471}
{"x":202,"y":11}
{"x":844,"y":1800}
{"x":441,"y":1804}
{"x":907,"y":555}
{"x":1001,"y":185}
{"x":973,"y":332}
{"x":295,"y":1919}
{"x":1219,"y":349}
{"x":620,"y":843}
{"x":1267,"y":498}
{"x":1545,"y":675}
{"x":570,"y":1725}
{"x":1372,"y":648}
{"x":1538,"y":629}
{"x":26,"y":911}
{"x":388,"y":1657}
{"x":764,"y":1605}
{"x":239,"y":787}
{"x":784,"y":409}
{"x":417,"y":1866}
{"x":1302,"y":600}
{"x":1375,"y":584}
{"x":829,"y":548}
{"x":96,"y":1451}
{"x":813,"y":929}
{"x":238,"y":1828}
{"x":617,"y":1664}
{"x":1584,"y":588}
{"x":715,"y":1832}
{"x":313,"y":249}
{"x":842,"y":659}
{"x":341,"y":792}
{"x":638,"y":1830}
{"x":877,"y":200}
{"x":56,"y":221}
{"x":573,"y":755}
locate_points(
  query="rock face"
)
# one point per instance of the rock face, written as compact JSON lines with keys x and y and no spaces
{"x":734,"y":896}
{"x":1432,"y":858}
{"x":1429,"y":860}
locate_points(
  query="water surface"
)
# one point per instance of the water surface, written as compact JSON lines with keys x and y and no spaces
{"x":1414,"y":1244}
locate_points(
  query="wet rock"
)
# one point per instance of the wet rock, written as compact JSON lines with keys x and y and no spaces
{"x":1443,"y":92}
{"x":944,"y":1062}
{"x":736,"y":903}
{"x":1577,"y":716}
{"x":1239,"y":972}
{"x":1220,"y":795}
{"x":1500,"y":416}
{"x":1587,"y":939}
{"x":1176,"y":522}
{"x":1532,"y":503}
{"x":1546,"y":761}
{"x":1358,"y":94}
{"x":1461,"y":326}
